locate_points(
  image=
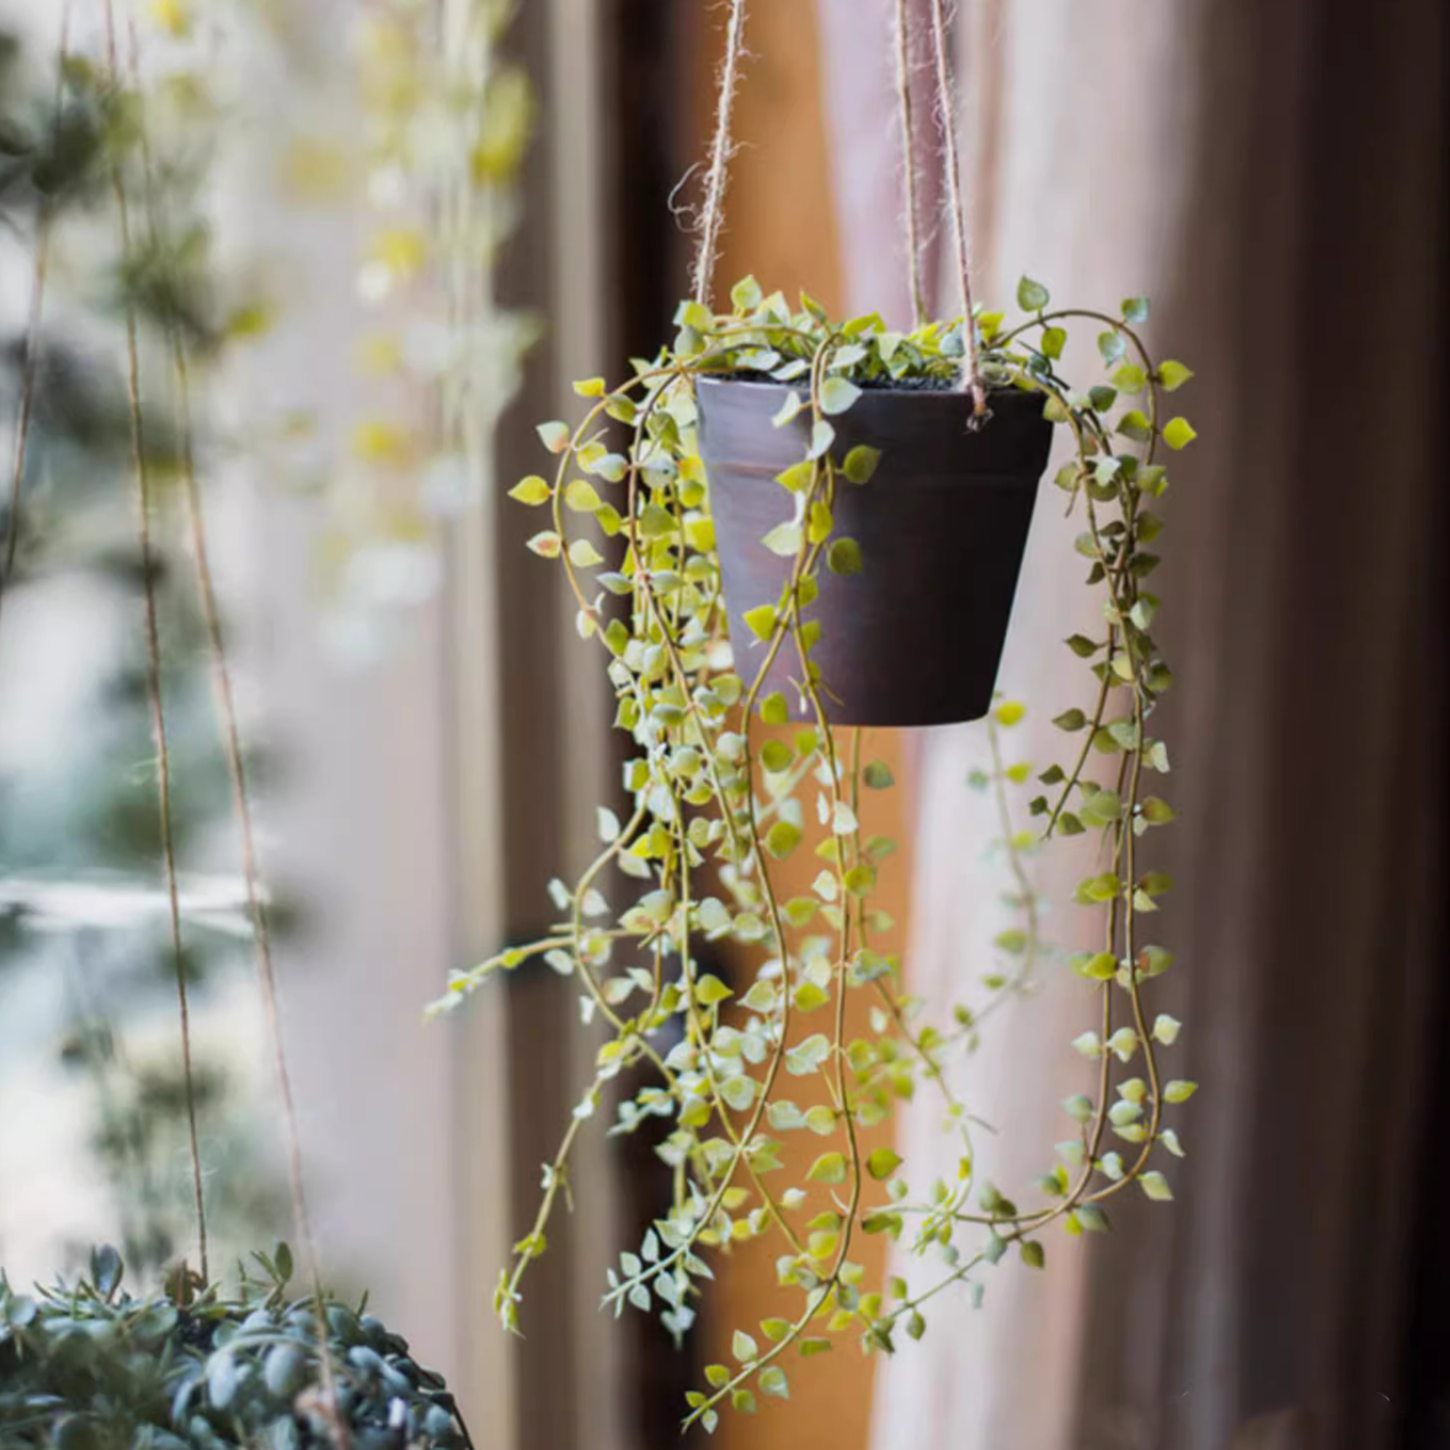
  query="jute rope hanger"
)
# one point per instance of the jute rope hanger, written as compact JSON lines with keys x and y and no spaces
{"x":141,"y":473}
{"x":722,"y":146}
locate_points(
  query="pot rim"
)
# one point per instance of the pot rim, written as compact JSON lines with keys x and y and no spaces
{"x":999,"y":392}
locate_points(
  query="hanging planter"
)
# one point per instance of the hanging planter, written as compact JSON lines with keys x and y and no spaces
{"x":863,"y":516}
{"x":916,"y":634}
{"x":788,"y":516}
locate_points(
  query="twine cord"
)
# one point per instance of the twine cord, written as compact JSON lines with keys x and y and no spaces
{"x":721,"y":149}
{"x":908,"y":168}
{"x":946,"y":107}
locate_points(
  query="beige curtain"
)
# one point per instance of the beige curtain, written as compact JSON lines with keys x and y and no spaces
{"x":1272,"y":176}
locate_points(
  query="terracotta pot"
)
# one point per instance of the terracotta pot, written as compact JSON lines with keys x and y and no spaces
{"x":915,"y":638}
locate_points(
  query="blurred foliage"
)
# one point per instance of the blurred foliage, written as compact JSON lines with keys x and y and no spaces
{"x":405,"y":141}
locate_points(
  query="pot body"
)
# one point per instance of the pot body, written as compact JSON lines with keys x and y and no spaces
{"x":916,"y":637}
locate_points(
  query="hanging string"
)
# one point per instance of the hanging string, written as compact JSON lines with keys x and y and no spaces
{"x":141,"y":472}
{"x":908,"y":169}
{"x":946,"y":105}
{"x":720,"y":152}
{"x":241,"y":803}
{"x":30,"y":368}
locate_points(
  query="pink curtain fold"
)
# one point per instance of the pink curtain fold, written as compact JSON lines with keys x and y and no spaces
{"x":1273,"y":177}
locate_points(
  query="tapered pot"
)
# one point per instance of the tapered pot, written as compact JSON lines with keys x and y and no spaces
{"x":915,"y":638}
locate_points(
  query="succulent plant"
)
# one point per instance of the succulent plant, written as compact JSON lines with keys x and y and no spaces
{"x":88,"y":1366}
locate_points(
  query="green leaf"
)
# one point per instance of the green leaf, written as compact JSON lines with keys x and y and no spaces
{"x":710,"y":990}
{"x":106,"y":1270}
{"x":583,"y":554}
{"x":844,"y":556}
{"x":1173,"y":375}
{"x":797,"y":477}
{"x":1032,"y":296}
{"x":1070,"y":720}
{"x":1155,"y":1185}
{"x":532,"y":490}
{"x":807,"y":997}
{"x":878,"y":776}
{"x":821,"y":522}
{"x":821,"y":1120}
{"x":1082,"y":646}
{"x":1112,"y":345}
{"x":760,"y":621}
{"x":1179,"y":1090}
{"x":1130,"y":378}
{"x":1179,"y":433}
{"x":1135,"y":309}
{"x":1033,"y":1254}
{"x":743,"y":1347}
{"x":860,"y":463}
{"x":555,"y":436}
{"x":837,"y":394}
{"x":882,"y":1163}
{"x":1166,"y":1029}
{"x":774,"y":710}
{"x":1054,"y":339}
{"x":1134,"y":424}
{"x":822,"y":436}
{"x":745,"y":295}
{"x":807,"y":1056}
{"x":1009,"y":712}
{"x":782,"y":838}
{"x":784,"y":540}
{"x":828,"y":1168}
{"x":788,"y":409}
{"x":1101,"y":807}
{"x":776,"y":756}
{"x":774,"y":1382}
{"x":1096,"y":966}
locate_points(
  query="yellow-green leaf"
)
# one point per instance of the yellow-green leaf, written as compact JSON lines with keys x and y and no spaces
{"x":532,"y":490}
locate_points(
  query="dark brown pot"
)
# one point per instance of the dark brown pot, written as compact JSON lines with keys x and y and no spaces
{"x":916,"y":637}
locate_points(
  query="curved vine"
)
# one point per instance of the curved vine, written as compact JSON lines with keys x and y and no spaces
{"x":717,"y":804}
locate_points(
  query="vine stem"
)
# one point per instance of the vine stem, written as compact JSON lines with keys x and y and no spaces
{"x":237,"y":771}
{"x":30,"y":368}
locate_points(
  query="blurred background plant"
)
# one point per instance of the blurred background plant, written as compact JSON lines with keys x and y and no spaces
{"x":418,"y":124}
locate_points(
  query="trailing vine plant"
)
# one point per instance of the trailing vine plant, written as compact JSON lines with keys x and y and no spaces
{"x":718,"y":803}
{"x":720,"y":797}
